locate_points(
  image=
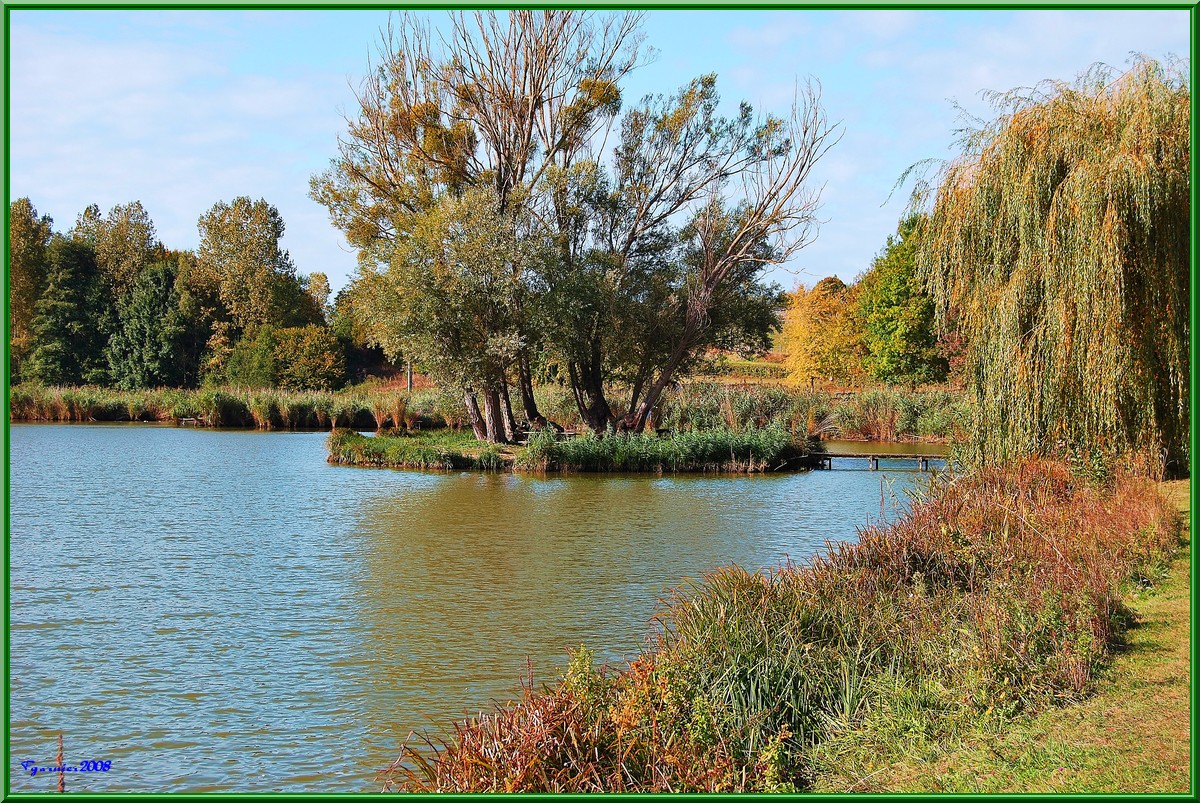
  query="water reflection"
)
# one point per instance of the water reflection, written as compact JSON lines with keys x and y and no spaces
{"x":225,"y":611}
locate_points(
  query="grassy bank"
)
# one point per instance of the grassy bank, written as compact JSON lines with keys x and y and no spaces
{"x":720,"y":450}
{"x":1130,"y":734}
{"x":1000,"y":596}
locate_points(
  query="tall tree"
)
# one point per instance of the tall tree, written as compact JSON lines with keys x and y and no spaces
{"x":499,"y":102}
{"x":239,"y":247}
{"x":28,"y":240}
{"x":125,"y":243}
{"x":1060,"y":240}
{"x":149,"y":347}
{"x":73,"y":319}
{"x":317,"y":287}
{"x":896,"y":312}
{"x":640,"y":257}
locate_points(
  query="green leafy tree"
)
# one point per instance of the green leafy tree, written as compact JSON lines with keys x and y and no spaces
{"x":148,"y":348}
{"x":202,"y":314}
{"x":446,"y":302}
{"x":497,"y":103}
{"x":73,"y":319}
{"x":635,"y":264}
{"x":28,"y":241}
{"x":898,"y":327}
{"x":1059,"y":243}
{"x":252,"y":360}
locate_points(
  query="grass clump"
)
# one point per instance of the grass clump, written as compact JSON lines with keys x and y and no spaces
{"x":395,"y":450}
{"x":999,"y":593}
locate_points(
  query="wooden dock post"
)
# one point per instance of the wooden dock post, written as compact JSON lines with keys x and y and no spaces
{"x":62,"y":777}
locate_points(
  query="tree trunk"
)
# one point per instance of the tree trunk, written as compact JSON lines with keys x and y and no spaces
{"x":477,"y":423}
{"x":511,"y":431}
{"x":588,"y":384}
{"x":493,"y":416}
{"x":635,"y":420}
{"x":525,"y":383}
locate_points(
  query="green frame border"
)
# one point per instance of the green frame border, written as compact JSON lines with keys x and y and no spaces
{"x":6,"y":792}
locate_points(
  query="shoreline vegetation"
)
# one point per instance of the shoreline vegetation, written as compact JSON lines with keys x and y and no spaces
{"x":1000,"y":596}
{"x":1131,"y":734}
{"x":935,"y":414}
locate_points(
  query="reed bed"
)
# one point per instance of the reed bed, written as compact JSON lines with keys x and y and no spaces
{"x":998,"y":593}
{"x":886,"y":414}
{"x":883,"y":414}
{"x":359,"y":407}
{"x":718,"y":450}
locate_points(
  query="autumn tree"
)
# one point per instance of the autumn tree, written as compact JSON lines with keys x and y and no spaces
{"x":498,"y":102}
{"x":634,"y":259}
{"x":124,"y":241}
{"x":28,"y":241}
{"x":309,"y":358}
{"x":316,"y":285}
{"x":822,"y":333}
{"x":1059,"y":239}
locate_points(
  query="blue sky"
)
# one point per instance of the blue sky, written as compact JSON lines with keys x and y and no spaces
{"x":180,"y":109}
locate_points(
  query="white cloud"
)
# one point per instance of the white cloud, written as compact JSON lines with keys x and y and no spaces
{"x":172,"y":126}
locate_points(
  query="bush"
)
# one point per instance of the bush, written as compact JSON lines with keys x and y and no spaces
{"x":309,"y":358}
{"x":252,"y":363}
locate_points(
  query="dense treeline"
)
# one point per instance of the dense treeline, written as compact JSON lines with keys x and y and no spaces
{"x":107,"y":304}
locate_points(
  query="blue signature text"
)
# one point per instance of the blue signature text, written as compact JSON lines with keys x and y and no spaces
{"x":84,"y":766}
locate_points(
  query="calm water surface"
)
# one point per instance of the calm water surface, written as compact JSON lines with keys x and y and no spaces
{"x":224,"y":611}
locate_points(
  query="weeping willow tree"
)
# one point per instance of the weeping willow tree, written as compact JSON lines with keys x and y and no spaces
{"x":1057,"y":244}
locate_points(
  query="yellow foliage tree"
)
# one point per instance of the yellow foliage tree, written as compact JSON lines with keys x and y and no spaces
{"x":821,"y":335}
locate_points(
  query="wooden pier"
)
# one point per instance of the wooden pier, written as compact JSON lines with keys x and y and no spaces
{"x":825,"y":459}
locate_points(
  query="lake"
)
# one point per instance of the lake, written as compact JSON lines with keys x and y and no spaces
{"x":215,"y":610}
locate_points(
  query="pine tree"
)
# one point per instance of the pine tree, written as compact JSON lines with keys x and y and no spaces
{"x":147,"y":349}
{"x":72,"y":319}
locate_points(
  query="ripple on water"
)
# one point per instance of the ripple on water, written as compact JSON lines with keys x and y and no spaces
{"x":224,"y":611}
